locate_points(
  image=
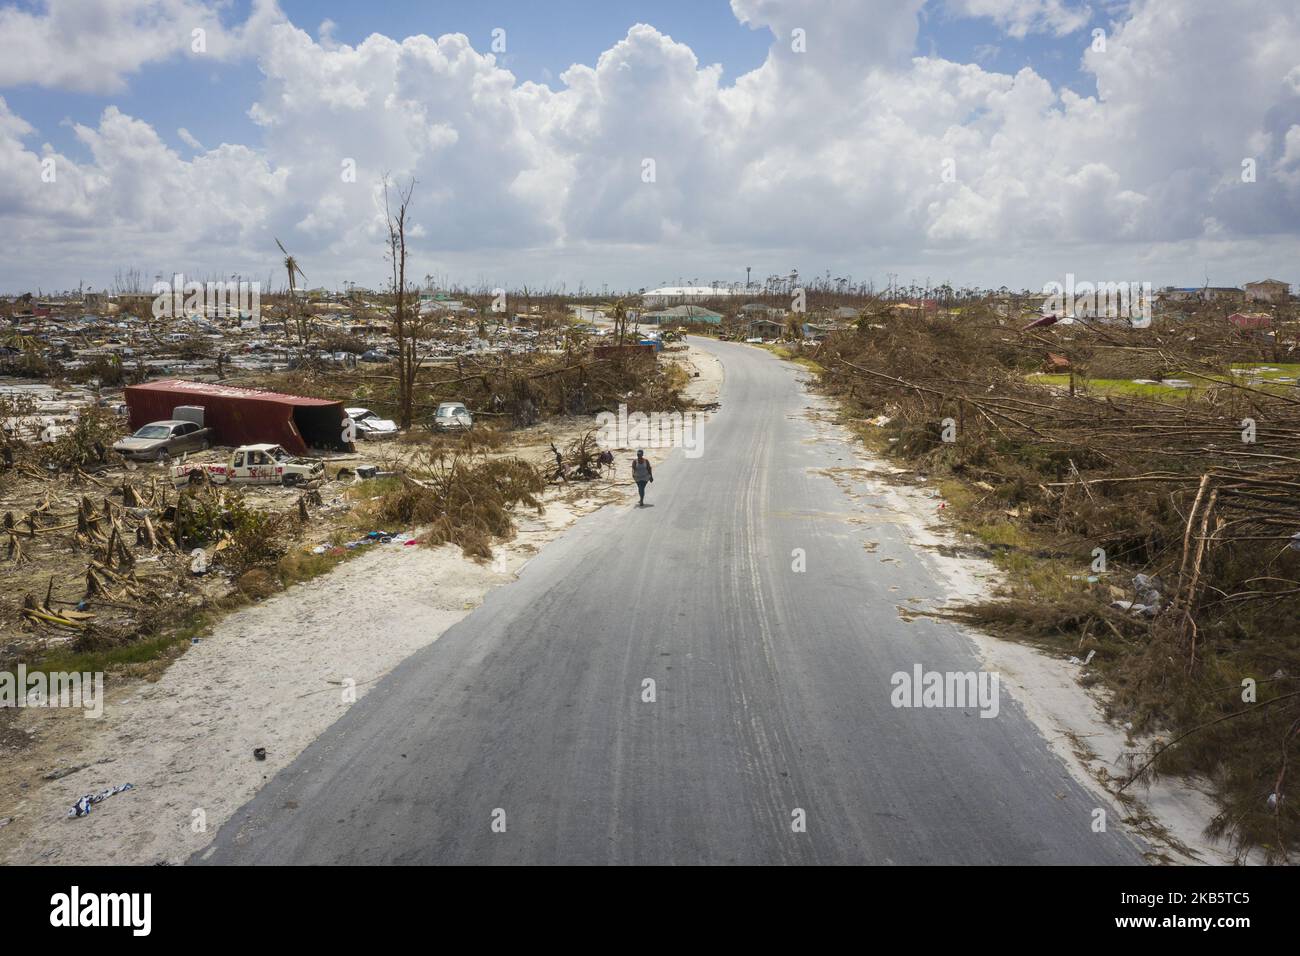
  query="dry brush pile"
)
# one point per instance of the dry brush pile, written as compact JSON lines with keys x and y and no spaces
{"x":85,"y":446}
{"x":1199,"y":492}
{"x":460,"y":498}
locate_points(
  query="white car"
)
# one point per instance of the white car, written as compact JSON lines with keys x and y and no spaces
{"x":451,"y":416}
{"x":370,"y":426}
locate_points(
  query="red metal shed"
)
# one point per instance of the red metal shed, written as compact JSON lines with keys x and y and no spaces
{"x":244,"y":416}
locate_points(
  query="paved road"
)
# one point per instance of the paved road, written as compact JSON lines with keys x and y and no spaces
{"x":772,"y":695}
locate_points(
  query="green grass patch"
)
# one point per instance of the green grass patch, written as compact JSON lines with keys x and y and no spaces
{"x":874,"y":438}
{"x":1276,"y":369}
{"x":1117,"y":386}
{"x":373,"y":488}
{"x":1003,"y":534}
{"x":792,"y":355}
{"x":146,"y":651}
{"x":146,"y":657}
{"x":1273,"y":377}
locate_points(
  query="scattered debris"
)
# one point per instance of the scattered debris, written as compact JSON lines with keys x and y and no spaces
{"x":83,"y":806}
{"x":62,"y":772}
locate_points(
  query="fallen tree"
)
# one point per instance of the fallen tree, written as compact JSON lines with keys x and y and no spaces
{"x":1191,"y":491}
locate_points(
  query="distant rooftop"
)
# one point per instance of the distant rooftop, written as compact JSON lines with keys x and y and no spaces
{"x":693,"y":291}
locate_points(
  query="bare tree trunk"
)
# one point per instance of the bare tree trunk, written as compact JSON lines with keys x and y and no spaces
{"x":404,"y":332}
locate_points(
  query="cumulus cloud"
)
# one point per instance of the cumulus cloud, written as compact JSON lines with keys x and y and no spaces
{"x":1019,"y":18}
{"x":846,"y":151}
{"x":837,"y":34}
{"x":94,"y":47}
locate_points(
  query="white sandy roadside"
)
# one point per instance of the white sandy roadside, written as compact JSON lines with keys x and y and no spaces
{"x":274,"y":675}
{"x":1170,"y":813}
{"x":705,"y":371}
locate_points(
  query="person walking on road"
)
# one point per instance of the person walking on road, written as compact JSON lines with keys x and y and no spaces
{"x":642,"y":474}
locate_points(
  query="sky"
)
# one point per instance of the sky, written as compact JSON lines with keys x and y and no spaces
{"x":625,"y":145}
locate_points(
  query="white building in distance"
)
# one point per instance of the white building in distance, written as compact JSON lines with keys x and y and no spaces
{"x":686,"y":294}
{"x":1268,"y":290}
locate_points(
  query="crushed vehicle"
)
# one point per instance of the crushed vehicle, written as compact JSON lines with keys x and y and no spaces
{"x":451,"y":416}
{"x":370,"y":426}
{"x":159,"y":441}
{"x":252,"y":465}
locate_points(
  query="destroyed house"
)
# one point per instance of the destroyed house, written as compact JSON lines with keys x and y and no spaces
{"x":1268,"y":290}
{"x":766,"y":329}
{"x":818,"y":333}
{"x":243,"y":416}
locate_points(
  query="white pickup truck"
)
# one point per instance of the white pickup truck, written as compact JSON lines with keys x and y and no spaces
{"x":252,"y":465}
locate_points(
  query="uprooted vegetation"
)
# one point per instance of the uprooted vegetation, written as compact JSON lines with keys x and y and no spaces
{"x":459,"y":498}
{"x":100,"y":561}
{"x":1160,"y":531}
{"x":462,"y":490}
{"x":582,"y":460}
{"x":86,"y":445}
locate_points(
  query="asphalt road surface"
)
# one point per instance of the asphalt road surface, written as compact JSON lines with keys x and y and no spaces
{"x":522,"y":735}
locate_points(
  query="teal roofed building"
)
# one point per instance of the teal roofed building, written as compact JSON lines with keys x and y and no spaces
{"x":682,"y":313}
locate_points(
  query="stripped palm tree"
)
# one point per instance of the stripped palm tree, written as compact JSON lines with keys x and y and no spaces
{"x":22,"y":343}
{"x":617,"y":311}
{"x":291,"y":267}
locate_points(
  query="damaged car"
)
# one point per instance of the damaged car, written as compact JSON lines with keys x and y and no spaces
{"x":252,"y":465}
{"x":369,"y":426}
{"x":159,"y":441}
